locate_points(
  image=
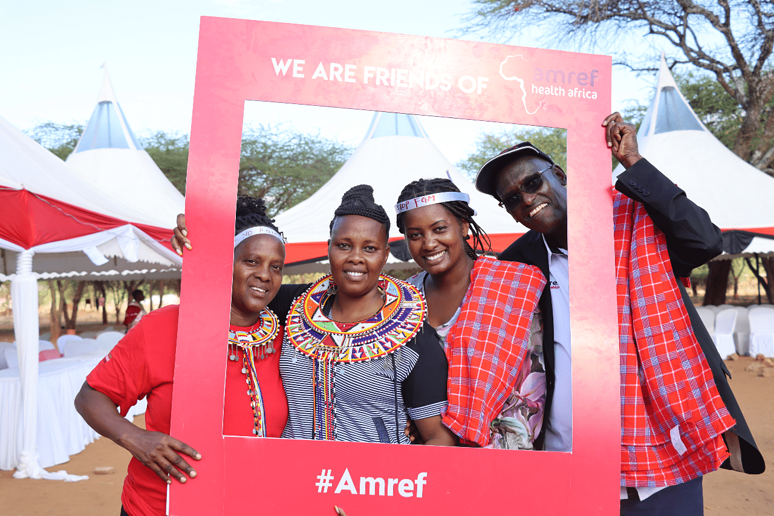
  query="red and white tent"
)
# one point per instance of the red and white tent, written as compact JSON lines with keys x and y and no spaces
{"x":47,"y":210}
{"x":395,"y":151}
{"x":737,"y":196}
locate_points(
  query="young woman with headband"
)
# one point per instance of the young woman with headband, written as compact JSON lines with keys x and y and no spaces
{"x":482,"y":312}
{"x":142,"y":364}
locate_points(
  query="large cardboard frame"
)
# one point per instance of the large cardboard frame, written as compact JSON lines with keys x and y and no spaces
{"x":243,"y":60}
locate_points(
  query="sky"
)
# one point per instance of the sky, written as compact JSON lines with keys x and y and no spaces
{"x":51,"y":53}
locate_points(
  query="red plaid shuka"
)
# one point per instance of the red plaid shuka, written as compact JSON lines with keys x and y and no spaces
{"x":487,"y":345}
{"x":672,"y":416}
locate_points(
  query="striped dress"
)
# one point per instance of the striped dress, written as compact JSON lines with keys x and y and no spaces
{"x":372,"y":399}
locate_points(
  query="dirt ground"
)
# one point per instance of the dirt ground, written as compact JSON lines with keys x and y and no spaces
{"x":725,"y":492}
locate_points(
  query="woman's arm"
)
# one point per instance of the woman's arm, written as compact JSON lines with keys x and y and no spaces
{"x":157,"y":451}
{"x":435,"y":433}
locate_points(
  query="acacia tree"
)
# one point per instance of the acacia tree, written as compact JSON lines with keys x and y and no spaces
{"x":551,"y":141}
{"x":285,"y":167}
{"x":731,"y":40}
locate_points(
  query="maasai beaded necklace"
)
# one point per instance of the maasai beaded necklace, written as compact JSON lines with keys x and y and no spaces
{"x":328,"y":342}
{"x":254,"y":343}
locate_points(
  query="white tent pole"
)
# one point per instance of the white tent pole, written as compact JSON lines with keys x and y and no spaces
{"x":24,"y":295}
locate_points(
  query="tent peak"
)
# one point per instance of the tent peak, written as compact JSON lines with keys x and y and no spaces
{"x":668,"y":111}
{"x":107,"y":127}
{"x":394,"y":124}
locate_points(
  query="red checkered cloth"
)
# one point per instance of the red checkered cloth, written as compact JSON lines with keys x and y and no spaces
{"x":672,"y":417}
{"x":487,"y":345}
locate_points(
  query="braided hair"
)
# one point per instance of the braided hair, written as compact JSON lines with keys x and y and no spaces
{"x":459,"y":209}
{"x":359,"y":200}
{"x":251,"y":212}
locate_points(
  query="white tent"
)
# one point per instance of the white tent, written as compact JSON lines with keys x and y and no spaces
{"x":737,"y":196}
{"x":395,"y":151}
{"x":45,"y":208}
{"x":109,"y":156}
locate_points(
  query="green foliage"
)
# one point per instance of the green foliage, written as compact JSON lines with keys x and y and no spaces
{"x":718,"y":110}
{"x":170,"y":152}
{"x":551,"y":141}
{"x":60,"y":139}
{"x":285,"y":167}
{"x":281,"y":165}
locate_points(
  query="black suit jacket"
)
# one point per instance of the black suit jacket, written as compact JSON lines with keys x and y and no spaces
{"x":692,"y":240}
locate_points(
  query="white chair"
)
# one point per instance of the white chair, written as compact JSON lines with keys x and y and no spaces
{"x":45,"y":336}
{"x":89,"y":334}
{"x":713,"y":308}
{"x":110,"y":338}
{"x":762,"y":331}
{"x":707,"y":315}
{"x":12,"y":358}
{"x":3,"y":347}
{"x":79,"y":347}
{"x":742,"y":332}
{"x":44,"y":345}
{"x":725,"y":324}
{"x":63,"y":341}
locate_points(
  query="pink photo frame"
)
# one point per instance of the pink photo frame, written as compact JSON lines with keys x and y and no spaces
{"x":242,"y":60}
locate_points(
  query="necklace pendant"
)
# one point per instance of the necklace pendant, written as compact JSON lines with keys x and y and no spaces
{"x":233,"y":357}
{"x":244,"y":371}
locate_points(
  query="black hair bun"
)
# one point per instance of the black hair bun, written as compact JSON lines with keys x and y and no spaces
{"x":359,"y":200}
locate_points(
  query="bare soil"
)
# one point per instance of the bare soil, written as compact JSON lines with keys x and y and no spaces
{"x":725,"y":492}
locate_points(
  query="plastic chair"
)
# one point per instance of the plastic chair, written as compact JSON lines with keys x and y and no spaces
{"x":713,"y":308}
{"x":3,"y":347}
{"x":44,"y":345}
{"x":48,"y":354}
{"x":81,"y":347}
{"x":707,"y":314}
{"x":89,"y":334}
{"x":725,"y":324}
{"x":762,"y":331}
{"x":12,"y":358}
{"x":45,"y":336}
{"x":63,"y":341}
{"x":742,"y":333}
{"x":110,"y":338}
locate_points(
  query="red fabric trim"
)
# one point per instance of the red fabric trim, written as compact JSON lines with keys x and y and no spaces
{"x":31,"y":220}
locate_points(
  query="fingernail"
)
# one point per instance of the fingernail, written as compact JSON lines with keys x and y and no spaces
{"x":188,"y":246}
{"x":198,"y":456}
{"x":178,"y":251}
{"x":182,"y":480}
{"x":193,"y":474}
{"x":337,"y":509}
{"x":169,"y":481}
{"x":609,"y":144}
{"x":185,"y":232}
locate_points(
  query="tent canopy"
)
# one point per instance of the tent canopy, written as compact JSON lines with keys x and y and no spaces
{"x":109,"y":156}
{"x":395,"y":151}
{"x":736,"y":195}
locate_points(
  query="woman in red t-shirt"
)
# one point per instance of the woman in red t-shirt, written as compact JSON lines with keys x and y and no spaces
{"x":142,"y":364}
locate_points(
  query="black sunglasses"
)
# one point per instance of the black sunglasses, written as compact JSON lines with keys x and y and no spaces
{"x":530,"y":185}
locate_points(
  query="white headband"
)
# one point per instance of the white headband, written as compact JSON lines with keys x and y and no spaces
{"x":427,"y":200}
{"x":257,"y":230}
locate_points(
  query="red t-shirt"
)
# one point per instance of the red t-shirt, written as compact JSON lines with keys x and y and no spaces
{"x":142,"y":364}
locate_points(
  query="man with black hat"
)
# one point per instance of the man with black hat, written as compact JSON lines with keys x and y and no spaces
{"x":660,"y":235}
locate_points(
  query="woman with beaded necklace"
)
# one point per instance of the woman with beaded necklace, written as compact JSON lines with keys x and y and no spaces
{"x":496,"y":383}
{"x":362,"y":340}
{"x":142,"y":364}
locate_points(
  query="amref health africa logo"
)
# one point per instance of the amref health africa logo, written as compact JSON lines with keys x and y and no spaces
{"x":547,"y":82}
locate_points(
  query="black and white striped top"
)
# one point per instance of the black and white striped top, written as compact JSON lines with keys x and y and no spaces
{"x":366,"y":391}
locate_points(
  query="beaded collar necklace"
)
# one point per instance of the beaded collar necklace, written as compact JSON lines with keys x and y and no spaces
{"x":319,"y":337}
{"x":329,"y":343}
{"x":255,"y":343}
